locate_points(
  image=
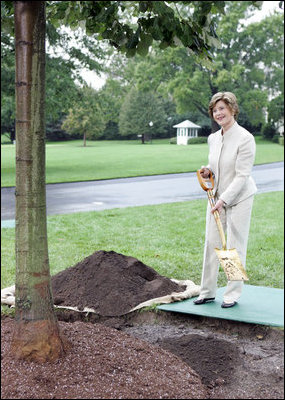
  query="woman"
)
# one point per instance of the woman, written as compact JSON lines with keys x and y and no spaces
{"x":231,"y":158}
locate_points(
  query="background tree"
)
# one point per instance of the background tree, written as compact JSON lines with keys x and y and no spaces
{"x":142,"y":113}
{"x":111,"y":99}
{"x":244,"y":65}
{"x":249,"y":62}
{"x":275,"y":123}
{"x":276,"y":112}
{"x":61,"y":93}
{"x":85,"y":118}
{"x":68,"y":52}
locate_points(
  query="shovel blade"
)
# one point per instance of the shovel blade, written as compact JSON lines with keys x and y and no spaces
{"x":231,"y":263}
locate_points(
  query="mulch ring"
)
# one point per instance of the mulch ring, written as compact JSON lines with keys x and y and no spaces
{"x":101,"y":363}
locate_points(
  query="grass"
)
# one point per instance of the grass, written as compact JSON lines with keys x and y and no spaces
{"x":167,"y":237}
{"x":71,"y":162}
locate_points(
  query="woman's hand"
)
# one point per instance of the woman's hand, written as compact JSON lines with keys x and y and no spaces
{"x":205,"y":172}
{"x":218,"y":207}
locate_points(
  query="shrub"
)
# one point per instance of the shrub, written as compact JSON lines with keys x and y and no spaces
{"x":268,"y":131}
{"x":198,"y":140}
{"x":275,"y":139}
{"x":278,"y":139}
{"x":173,"y":140}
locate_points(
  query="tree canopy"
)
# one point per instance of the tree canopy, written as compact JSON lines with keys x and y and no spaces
{"x":130,"y":27}
{"x":188,"y":83}
{"x":256,"y":80}
{"x":248,"y":61}
{"x":85,"y":117}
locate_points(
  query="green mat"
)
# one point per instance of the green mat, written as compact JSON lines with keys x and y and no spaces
{"x":257,"y":305}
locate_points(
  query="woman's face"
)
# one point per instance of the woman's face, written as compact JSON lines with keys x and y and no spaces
{"x":222,"y":114}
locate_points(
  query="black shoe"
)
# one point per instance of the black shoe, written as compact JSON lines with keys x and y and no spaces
{"x":203,"y":301}
{"x":228,"y":305}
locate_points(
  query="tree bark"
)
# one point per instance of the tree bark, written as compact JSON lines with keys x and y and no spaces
{"x":36,"y":334}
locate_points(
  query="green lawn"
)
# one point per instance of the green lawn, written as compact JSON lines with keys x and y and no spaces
{"x":167,"y":237}
{"x":70,"y":161}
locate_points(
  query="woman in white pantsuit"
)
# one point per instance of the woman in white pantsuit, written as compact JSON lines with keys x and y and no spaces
{"x":231,"y":158}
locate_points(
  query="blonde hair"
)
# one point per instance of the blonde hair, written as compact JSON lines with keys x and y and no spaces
{"x":227,"y":97}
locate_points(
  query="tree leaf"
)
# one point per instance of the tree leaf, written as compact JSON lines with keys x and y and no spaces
{"x":142,"y":48}
{"x":130,"y":52}
{"x":146,"y":38}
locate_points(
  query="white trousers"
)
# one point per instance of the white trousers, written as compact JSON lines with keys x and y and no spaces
{"x":236,"y":224}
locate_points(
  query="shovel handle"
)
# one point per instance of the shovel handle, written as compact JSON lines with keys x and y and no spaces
{"x":206,"y":183}
{"x":217,"y":218}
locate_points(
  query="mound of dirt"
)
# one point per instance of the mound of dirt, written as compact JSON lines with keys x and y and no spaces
{"x":110,"y":283}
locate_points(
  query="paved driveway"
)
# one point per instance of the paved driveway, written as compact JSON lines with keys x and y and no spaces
{"x":64,"y":198}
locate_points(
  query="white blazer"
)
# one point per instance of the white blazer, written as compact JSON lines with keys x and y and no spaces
{"x":231,"y":158}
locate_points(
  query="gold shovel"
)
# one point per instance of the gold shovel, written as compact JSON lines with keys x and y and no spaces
{"x":229,"y":259}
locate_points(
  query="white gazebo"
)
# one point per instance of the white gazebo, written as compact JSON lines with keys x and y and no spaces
{"x":185,"y":131}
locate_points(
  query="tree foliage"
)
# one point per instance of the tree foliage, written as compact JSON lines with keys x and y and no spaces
{"x":142,"y":113}
{"x":177,"y":75}
{"x":61,"y":91}
{"x":67,"y":53}
{"x":248,"y":62}
{"x":132,"y":26}
{"x":7,"y":86}
{"x":85,"y":119}
{"x":235,"y":69}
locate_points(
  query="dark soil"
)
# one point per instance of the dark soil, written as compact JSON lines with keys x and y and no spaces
{"x":110,"y":283}
{"x":235,"y":360}
{"x":219,"y":358}
{"x":142,"y":354}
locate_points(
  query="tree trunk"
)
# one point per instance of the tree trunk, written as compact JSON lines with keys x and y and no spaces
{"x":36,"y":334}
{"x":84,"y":139}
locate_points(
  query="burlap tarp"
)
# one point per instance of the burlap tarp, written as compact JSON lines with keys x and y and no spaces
{"x":8,"y":297}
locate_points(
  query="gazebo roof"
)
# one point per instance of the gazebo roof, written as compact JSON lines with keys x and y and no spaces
{"x":186,"y":124}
